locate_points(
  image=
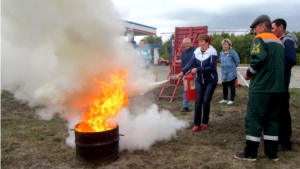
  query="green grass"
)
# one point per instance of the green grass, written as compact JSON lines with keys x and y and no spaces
{"x":29,"y":142}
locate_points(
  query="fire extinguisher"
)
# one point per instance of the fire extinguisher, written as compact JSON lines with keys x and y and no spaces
{"x":189,"y":82}
{"x":236,"y":83}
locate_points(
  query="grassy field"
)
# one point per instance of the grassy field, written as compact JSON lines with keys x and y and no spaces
{"x":28,"y":142}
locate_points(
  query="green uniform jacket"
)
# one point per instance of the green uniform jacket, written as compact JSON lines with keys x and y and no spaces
{"x":267,"y":64}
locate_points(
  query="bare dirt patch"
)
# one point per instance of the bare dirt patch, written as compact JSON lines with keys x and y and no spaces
{"x":29,"y":142}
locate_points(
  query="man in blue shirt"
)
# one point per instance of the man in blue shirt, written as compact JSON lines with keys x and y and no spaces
{"x":289,"y":41}
{"x":185,"y":58}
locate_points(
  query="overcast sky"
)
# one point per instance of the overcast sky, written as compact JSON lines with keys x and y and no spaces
{"x":233,"y":15}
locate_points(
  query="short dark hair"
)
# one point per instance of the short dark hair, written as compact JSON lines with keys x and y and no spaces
{"x":279,"y":22}
{"x":142,"y":40}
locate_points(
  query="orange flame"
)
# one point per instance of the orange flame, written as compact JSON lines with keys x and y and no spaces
{"x":104,"y":108}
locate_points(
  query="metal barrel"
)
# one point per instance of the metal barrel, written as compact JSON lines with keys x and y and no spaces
{"x":97,"y":147}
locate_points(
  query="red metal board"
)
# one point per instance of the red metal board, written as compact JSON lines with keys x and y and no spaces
{"x":189,"y":32}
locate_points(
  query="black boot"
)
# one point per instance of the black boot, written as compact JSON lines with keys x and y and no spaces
{"x":271,"y":149}
{"x":251,"y":149}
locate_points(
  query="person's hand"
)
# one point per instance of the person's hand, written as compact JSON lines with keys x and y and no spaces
{"x":194,"y":71}
{"x":179,"y":76}
{"x":246,"y":77}
{"x":188,"y":72}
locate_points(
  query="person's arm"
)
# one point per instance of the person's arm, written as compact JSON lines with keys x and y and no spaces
{"x":191,"y":64}
{"x":258,"y":56}
{"x":235,"y":58}
{"x":290,"y":53}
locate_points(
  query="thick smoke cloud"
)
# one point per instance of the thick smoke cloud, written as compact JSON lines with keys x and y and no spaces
{"x":53,"y":50}
{"x":143,"y":130}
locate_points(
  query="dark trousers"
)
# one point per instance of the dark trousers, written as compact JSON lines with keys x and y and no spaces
{"x":252,"y":147}
{"x":284,"y":119}
{"x":232,"y":89}
{"x":262,"y":114}
{"x":204,"y":96}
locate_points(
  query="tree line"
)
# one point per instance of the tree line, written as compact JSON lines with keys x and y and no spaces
{"x":240,"y":43}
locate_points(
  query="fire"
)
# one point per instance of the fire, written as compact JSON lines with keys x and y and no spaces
{"x":104,"y":108}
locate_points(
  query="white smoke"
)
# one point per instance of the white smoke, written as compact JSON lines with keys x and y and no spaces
{"x":142,"y":130}
{"x":52,"y":50}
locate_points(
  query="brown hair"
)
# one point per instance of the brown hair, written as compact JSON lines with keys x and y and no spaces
{"x":204,"y":37}
{"x":142,"y":40}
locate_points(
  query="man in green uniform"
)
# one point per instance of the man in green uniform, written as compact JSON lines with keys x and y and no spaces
{"x":266,"y":72}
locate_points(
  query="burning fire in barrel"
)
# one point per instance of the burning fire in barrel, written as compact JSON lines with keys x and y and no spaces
{"x":97,"y":141}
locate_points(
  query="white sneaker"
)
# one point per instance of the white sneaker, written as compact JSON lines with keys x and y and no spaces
{"x":223,"y":101}
{"x":230,"y":102}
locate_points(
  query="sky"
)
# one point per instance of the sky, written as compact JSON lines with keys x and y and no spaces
{"x":218,"y":15}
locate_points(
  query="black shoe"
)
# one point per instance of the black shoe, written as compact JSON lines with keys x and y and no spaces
{"x":273,"y":158}
{"x":241,"y":156}
{"x":283,"y":147}
{"x":184,"y":110}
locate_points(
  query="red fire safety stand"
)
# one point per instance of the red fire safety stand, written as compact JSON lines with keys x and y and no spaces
{"x":175,"y":64}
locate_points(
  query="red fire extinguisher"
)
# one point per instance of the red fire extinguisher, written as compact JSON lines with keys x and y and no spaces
{"x":236,"y":83}
{"x":189,"y":82}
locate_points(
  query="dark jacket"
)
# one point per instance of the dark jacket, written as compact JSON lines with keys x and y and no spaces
{"x":205,"y":64}
{"x":187,"y":55}
{"x":267,"y":64}
{"x":290,"y":43}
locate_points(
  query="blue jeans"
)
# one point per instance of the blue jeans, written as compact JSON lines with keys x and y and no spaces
{"x":185,"y":102}
{"x":204,"y":96}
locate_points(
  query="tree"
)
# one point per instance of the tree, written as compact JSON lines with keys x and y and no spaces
{"x":240,"y":43}
{"x":164,"y":51}
{"x":153,"y":39}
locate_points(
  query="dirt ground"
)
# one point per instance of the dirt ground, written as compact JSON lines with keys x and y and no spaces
{"x":28,"y":142}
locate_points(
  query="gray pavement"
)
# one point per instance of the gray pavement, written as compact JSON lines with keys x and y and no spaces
{"x":163,"y":72}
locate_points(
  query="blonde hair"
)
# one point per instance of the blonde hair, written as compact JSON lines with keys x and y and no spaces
{"x":228,"y":41}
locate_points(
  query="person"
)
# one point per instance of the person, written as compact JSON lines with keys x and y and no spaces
{"x":265,"y":91}
{"x":289,"y":41}
{"x":185,"y":58}
{"x":203,"y":63}
{"x":144,"y":54}
{"x":229,"y":60}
